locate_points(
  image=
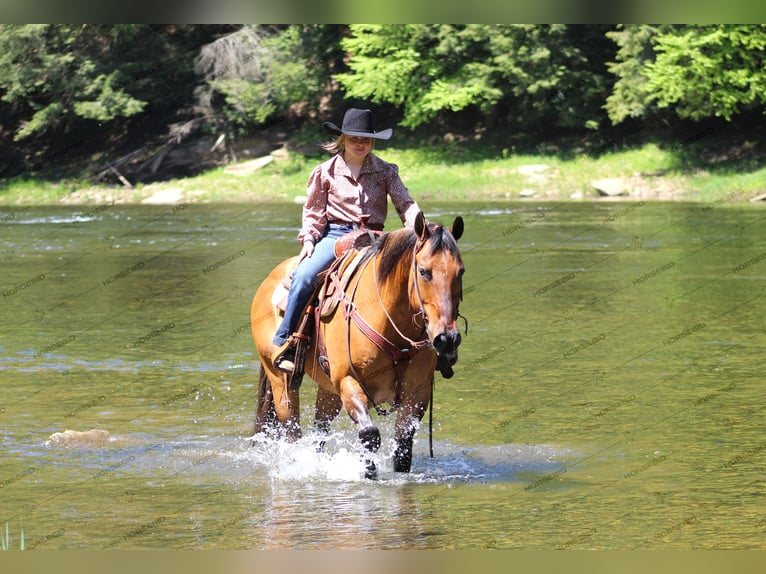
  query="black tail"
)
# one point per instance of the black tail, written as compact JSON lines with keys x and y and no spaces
{"x":265,"y":415}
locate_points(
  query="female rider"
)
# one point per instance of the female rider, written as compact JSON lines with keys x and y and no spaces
{"x":348,"y":191}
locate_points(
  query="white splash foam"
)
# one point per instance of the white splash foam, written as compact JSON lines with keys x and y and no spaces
{"x":342,"y":460}
{"x":339,"y":461}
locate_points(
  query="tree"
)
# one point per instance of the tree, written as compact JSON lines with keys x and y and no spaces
{"x":630,"y":96}
{"x":710,"y":71}
{"x":694,"y":71}
{"x":53,"y":74}
{"x":256,"y":73}
{"x":527,"y":73}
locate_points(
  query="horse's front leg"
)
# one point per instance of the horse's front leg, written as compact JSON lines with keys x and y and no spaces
{"x":408,"y":418}
{"x":357,"y":405}
{"x":405,"y":433}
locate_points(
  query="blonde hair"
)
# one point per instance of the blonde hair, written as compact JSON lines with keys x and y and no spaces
{"x":337,"y":145}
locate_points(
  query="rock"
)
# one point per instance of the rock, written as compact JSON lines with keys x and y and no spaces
{"x":281,"y":153}
{"x":533,"y":169}
{"x":527,"y":192}
{"x":79,"y":438}
{"x":248,"y":167}
{"x":172,"y":195}
{"x":610,"y":187}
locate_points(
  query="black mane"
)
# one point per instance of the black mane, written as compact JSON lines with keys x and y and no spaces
{"x":395,"y":245}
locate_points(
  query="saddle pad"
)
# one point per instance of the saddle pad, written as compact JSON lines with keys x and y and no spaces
{"x":355,"y":240}
{"x":279,"y":296}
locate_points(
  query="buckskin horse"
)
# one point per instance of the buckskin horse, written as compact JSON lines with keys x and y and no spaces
{"x":395,"y":323}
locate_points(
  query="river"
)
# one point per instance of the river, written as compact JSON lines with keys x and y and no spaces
{"x":608,"y":393}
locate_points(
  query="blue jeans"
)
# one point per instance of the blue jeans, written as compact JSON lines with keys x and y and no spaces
{"x":305,"y":280}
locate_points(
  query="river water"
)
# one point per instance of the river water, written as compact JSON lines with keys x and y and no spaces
{"x":608,"y":394}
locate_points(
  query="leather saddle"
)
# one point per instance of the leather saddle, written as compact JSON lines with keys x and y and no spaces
{"x":349,"y":250}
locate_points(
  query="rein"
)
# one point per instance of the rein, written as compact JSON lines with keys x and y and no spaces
{"x":422,"y":343}
{"x":401,"y":358}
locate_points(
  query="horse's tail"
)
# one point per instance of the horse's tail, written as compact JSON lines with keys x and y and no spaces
{"x":265,"y":415}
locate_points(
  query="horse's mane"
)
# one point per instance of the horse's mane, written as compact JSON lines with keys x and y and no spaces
{"x":394,"y":246}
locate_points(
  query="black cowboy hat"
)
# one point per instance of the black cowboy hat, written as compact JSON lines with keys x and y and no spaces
{"x":357,"y":122}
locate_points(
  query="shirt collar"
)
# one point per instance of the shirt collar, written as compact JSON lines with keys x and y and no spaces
{"x":342,"y":167}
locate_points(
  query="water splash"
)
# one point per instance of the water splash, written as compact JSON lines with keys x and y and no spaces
{"x":342,"y":460}
{"x":339,"y":460}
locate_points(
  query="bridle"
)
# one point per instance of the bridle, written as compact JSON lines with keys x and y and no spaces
{"x":422,"y":342}
{"x":401,"y":357}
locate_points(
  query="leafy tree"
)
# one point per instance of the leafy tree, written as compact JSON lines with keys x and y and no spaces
{"x":630,"y":96}
{"x":694,"y":71}
{"x":710,"y":71}
{"x":529,"y":73}
{"x":53,"y":74}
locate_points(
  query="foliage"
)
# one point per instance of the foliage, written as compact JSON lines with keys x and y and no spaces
{"x":710,"y":70}
{"x":62,"y":77}
{"x":528,"y":73}
{"x":55,"y":73}
{"x":696,"y":71}
{"x":631,"y":97}
{"x":100,"y":86}
{"x":260,"y":73}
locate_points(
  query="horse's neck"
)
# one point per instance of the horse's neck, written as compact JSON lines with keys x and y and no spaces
{"x":395,"y":295}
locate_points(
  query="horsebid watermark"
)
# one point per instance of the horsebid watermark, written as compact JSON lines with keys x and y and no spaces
{"x":24,"y":285}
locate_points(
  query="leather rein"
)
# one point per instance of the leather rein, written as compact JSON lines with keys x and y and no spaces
{"x":401,"y":357}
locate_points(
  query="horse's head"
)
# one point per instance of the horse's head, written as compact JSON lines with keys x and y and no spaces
{"x":438,"y":286}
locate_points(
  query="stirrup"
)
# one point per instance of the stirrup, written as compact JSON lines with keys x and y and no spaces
{"x":324,"y":364}
{"x":284,"y":360}
{"x":291,"y":360}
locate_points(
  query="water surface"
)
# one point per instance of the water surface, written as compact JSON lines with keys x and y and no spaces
{"x":608,"y":393}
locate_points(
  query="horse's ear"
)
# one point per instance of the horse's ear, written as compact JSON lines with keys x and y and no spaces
{"x":421,"y":226}
{"x":457,"y":228}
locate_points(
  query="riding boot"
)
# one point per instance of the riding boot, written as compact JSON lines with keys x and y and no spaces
{"x":284,"y":357}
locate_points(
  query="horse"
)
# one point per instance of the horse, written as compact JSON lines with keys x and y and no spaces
{"x":396,"y":323}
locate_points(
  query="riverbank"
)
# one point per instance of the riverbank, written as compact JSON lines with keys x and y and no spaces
{"x":648,"y":172}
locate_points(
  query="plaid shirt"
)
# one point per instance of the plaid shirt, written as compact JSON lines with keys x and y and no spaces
{"x":335,"y":196}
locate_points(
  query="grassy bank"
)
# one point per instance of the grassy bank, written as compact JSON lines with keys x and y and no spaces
{"x":704,"y":171}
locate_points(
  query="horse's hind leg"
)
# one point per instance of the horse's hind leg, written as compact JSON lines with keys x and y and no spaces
{"x":356,"y":403}
{"x":328,"y":405}
{"x":265,"y":415}
{"x":278,"y":407}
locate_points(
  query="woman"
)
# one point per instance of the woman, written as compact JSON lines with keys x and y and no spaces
{"x":346,"y":192}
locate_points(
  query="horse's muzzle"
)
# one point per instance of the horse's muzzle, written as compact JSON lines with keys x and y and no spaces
{"x":446,"y":345}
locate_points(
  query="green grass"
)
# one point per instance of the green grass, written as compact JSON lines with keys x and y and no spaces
{"x":711,"y":186}
{"x":652,"y":170}
{"x":29,"y":190}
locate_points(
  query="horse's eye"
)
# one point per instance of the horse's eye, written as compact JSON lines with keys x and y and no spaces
{"x":425,"y":273}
